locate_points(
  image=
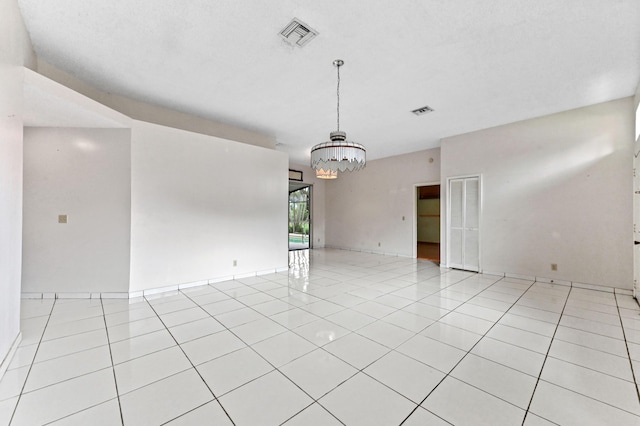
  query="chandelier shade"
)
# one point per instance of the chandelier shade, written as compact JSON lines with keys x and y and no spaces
{"x":326,"y":174}
{"x":338,"y":154}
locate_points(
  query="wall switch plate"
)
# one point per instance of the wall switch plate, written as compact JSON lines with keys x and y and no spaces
{"x":235,"y":262}
{"x":62,"y":218}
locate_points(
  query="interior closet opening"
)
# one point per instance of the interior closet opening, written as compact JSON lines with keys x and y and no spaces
{"x":428,"y":222}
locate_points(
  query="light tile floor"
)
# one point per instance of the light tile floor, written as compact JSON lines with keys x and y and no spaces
{"x":343,"y":338}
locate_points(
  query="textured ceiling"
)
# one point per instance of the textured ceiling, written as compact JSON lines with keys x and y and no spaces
{"x":477,"y":63}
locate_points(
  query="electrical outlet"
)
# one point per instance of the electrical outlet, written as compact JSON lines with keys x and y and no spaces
{"x":378,"y":244}
{"x":235,"y":262}
{"x":402,"y":217}
{"x":554,"y":266}
{"x":62,"y":218}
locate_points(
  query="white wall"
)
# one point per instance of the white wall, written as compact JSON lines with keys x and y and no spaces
{"x":85,"y":174}
{"x":15,"y":51}
{"x":556,"y":189}
{"x":365,"y":208}
{"x":10,"y":206}
{"x":317,"y":203}
{"x":200,"y":202}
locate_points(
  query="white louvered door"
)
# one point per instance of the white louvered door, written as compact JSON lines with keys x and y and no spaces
{"x":464,"y":224}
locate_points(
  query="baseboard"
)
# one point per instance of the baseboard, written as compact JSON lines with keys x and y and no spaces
{"x":12,"y":351}
{"x":76,"y":295}
{"x":176,"y":287}
{"x":574,"y":284}
{"x":148,"y":291}
{"x":361,"y":250}
{"x":520,"y":277}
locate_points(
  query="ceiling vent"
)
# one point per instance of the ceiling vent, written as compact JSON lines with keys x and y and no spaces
{"x":422,"y":111}
{"x":297,"y":33}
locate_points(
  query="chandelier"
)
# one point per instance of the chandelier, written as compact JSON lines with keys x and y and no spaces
{"x":326,"y":174}
{"x":338,"y":154}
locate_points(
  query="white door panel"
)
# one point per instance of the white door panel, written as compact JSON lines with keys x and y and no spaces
{"x":455,"y":248}
{"x":464,"y":224}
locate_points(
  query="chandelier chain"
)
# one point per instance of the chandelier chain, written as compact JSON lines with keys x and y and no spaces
{"x":338,"y":93}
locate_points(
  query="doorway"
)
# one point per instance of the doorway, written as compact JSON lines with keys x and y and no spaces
{"x":428,"y":222}
{"x":299,"y":217}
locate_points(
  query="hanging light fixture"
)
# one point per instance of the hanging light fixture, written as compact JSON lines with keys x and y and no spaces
{"x":338,"y":154}
{"x":326,"y":174}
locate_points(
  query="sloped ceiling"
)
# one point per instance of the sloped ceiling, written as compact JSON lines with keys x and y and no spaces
{"x":49,"y":104}
{"x":477,"y":63}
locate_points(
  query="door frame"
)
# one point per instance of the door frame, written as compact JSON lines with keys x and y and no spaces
{"x":414,"y":234}
{"x":636,"y":206}
{"x":447,"y":217}
{"x":310,"y":205}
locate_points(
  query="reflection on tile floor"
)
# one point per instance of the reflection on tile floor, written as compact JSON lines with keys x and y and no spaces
{"x":343,"y":338}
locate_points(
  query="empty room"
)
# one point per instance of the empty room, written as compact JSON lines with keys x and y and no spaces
{"x":319,"y":213}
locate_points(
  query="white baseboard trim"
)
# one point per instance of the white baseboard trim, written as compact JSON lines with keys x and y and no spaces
{"x":623,"y":291}
{"x":520,"y":277}
{"x":279,"y":270}
{"x":9,"y":357}
{"x":380,"y":252}
{"x":76,"y":295}
{"x":553,"y":281}
{"x":151,"y":291}
{"x":593,"y":287}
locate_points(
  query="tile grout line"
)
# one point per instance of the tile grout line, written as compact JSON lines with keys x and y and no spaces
{"x":546,"y":356}
{"x":361,"y":370}
{"x":104,"y":320}
{"x":578,"y":344}
{"x":470,"y":349}
{"x":452,"y":310}
{"x":113,"y":367}
{"x":626,"y":344}
{"x":628,"y":357}
{"x":266,"y":360}
{"x":15,"y":409}
{"x":229,"y":330}
{"x":413,"y":302}
{"x":591,"y":369}
{"x":85,"y":374}
{"x":70,"y":353}
{"x":76,"y":377}
{"x":317,"y":347}
{"x":190,"y":362}
{"x":388,"y":292}
{"x":385,"y":291}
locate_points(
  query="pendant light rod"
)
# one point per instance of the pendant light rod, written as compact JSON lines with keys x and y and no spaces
{"x":338,"y":63}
